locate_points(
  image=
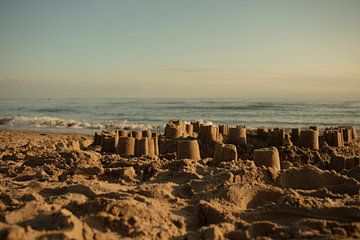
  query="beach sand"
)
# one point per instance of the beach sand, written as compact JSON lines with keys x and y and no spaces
{"x":59,"y":186}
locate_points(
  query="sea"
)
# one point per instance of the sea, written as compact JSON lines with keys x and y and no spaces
{"x":90,"y":115}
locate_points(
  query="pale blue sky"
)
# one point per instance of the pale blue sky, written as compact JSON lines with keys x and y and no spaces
{"x":187,"y":48}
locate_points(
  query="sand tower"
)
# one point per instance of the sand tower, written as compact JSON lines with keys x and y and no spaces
{"x":224,"y":129}
{"x":189,"y":129}
{"x":208,"y":133}
{"x":295,"y":136}
{"x":261,"y":133}
{"x":225,"y":152}
{"x":353,"y":132}
{"x":146,"y":133}
{"x":142,"y":147}
{"x":309,"y":138}
{"x":123,"y":133}
{"x":172,"y":131}
{"x":268,"y":157}
{"x":237,"y":135}
{"x":126,"y":146}
{"x":188,"y":149}
{"x":97,"y":139}
{"x":196,"y":126}
{"x":156,"y":146}
{"x":137,"y":134}
{"x":333,"y":138}
{"x":110,"y":142}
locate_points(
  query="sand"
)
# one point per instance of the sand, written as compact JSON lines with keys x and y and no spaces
{"x":58,"y":186}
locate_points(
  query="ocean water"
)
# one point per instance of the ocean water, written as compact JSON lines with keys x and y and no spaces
{"x":89,"y":115}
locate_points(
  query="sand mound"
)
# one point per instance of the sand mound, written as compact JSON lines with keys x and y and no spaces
{"x":138,"y":217}
{"x":310,"y":177}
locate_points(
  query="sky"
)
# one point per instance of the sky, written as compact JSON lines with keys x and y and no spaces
{"x":180,"y":49}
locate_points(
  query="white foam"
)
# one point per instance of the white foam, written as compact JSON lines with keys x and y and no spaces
{"x":54,"y":122}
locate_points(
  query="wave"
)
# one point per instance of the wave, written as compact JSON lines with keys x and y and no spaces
{"x":54,"y":122}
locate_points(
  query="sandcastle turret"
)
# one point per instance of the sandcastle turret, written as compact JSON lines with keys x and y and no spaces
{"x":151,"y":146}
{"x":237,"y":135}
{"x":188,"y":149}
{"x":156,"y":146}
{"x":126,"y":146}
{"x":123,"y":133}
{"x":189,"y":129}
{"x":315,"y":128}
{"x":333,"y":138}
{"x":208,"y":133}
{"x":347,"y":135}
{"x":309,"y":138}
{"x":172,"y":131}
{"x":109,"y":142}
{"x":268,"y":157}
{"x":142,"y":147}
{"x":354,"y":133}
{"x":261,"y":133}
{"x":146,"y":133}
{"x":295,"y":136}
{"x":225,"y":152}
{"x":224,"y":129}
{"x":97,"y":139}
{"x":196,"y":126}
{"x":137,"y":134}
{"x":277,"y":137}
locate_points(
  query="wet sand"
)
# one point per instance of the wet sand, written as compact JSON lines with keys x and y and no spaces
{"x":59,"y":186}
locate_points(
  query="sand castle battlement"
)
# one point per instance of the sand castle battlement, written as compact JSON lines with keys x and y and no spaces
{"x":223,"y":143}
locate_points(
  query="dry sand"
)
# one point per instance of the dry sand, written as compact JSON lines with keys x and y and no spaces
{"x":56,"y":186}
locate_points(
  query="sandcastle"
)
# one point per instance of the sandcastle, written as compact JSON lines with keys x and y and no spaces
{"x":146,"y":133}
{"x":268,"y":157}
{"x":141,"y":147}
{"x":136,"y":134}
{"x":155,"y":134}
{"x":179,"y":123}
{"x":152,"y":147}
{"x":225,"y":153}
{"x":287,"y":140}
{"x":126,"y":146}
{"x":208,"y":133}
{"x":109,"y":141}
{"x":181,"y":138}
{"x":353,"y":132}
{"x":333,"y":138}
{"x":224,"y":129}
{"x":347,"y":135}
{"x":196,"y":126}
{"x":146,"y":146}
{"x":315,"y":128}
{"x":123,"y":133}
{"x":295,"y":136}
{"x":97,"y":139}
{"x":261,"y":133}
{"x":188,"y":149}
{"x":340,"y":136}
{"x":237,"y":135}
{"x":277,"y":137}
{"x":309,"y":138}
{"x":173,"y":131}
{"x":189,"y":129}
